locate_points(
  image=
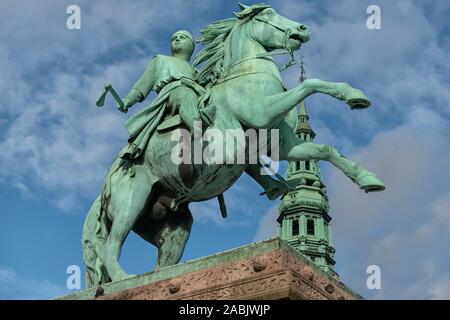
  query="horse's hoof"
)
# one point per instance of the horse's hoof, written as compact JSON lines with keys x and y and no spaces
{"x":356,"y":99}
{"x":370,"y":183}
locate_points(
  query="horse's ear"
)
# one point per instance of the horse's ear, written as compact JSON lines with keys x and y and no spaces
{"x":245,"y":10}
{"x":241,"y":14}
{"x":250,"y":11}
{"x":242,"y":6}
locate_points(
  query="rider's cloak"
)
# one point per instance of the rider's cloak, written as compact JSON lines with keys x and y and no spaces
{"x":171,"y":73}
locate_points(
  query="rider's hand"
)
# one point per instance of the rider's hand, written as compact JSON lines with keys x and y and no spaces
{"x":126,"y":105}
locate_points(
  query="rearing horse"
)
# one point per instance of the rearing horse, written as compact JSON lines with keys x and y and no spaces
{"x":245,"y":85}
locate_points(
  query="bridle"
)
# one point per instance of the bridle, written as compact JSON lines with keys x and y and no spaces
{"x":287,"y":33}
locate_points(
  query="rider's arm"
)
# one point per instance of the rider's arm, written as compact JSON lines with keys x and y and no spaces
{"x":144,"y":85}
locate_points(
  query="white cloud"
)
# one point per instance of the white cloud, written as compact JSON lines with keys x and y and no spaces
{"x":407,"y":224}
{"x":13,"y":286}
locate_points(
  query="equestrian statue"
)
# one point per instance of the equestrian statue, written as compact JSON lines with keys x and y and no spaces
{"x":237,"y":86}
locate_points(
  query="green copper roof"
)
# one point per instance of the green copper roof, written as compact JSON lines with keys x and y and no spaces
{"x":302,"y":123}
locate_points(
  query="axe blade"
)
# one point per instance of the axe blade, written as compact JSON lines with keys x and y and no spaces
{"x":101,"y":100}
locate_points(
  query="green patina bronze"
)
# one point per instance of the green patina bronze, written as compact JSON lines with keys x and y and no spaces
{"x":238,"y":86}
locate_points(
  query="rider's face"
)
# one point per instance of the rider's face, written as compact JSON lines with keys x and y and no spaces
{"x":181,"y":43}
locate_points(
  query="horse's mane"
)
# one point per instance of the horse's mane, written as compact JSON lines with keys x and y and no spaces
{"x":213,"y":37}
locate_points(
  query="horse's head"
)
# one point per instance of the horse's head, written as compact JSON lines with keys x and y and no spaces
{"x":272,"y":30}
{"x":258,"y":23}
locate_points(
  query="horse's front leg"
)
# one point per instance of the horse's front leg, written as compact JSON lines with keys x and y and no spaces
{"x":292,"y":149}
{"x":355,"y":98}
{"x":282,"y":103}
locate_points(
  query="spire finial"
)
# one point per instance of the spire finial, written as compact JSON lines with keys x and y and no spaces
{"x":302,"y":70}
{"x":302,"y":110}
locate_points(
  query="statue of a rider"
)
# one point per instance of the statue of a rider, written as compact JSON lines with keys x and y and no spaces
{"x":173,"y":78}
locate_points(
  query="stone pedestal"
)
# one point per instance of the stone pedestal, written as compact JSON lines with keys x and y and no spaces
{"x":268,"y":269}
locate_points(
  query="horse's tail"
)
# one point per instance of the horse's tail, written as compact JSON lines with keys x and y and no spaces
{"x":94,"y":235}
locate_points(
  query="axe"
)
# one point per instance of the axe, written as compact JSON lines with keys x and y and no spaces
{"x":108,"y":88}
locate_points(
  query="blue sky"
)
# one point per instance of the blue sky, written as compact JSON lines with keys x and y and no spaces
{"x":56,"y":145}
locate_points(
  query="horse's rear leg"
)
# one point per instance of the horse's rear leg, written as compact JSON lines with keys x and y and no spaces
{"x":292,"y":149}
{"x":171,"y":235}
{"x":172,"y":238}
{"x":365,"y":179}
{"x":129,"y":196}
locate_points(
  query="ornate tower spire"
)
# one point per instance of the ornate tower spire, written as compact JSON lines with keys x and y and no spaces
{"x":304,"y":220}
{"x":303,"y":129}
